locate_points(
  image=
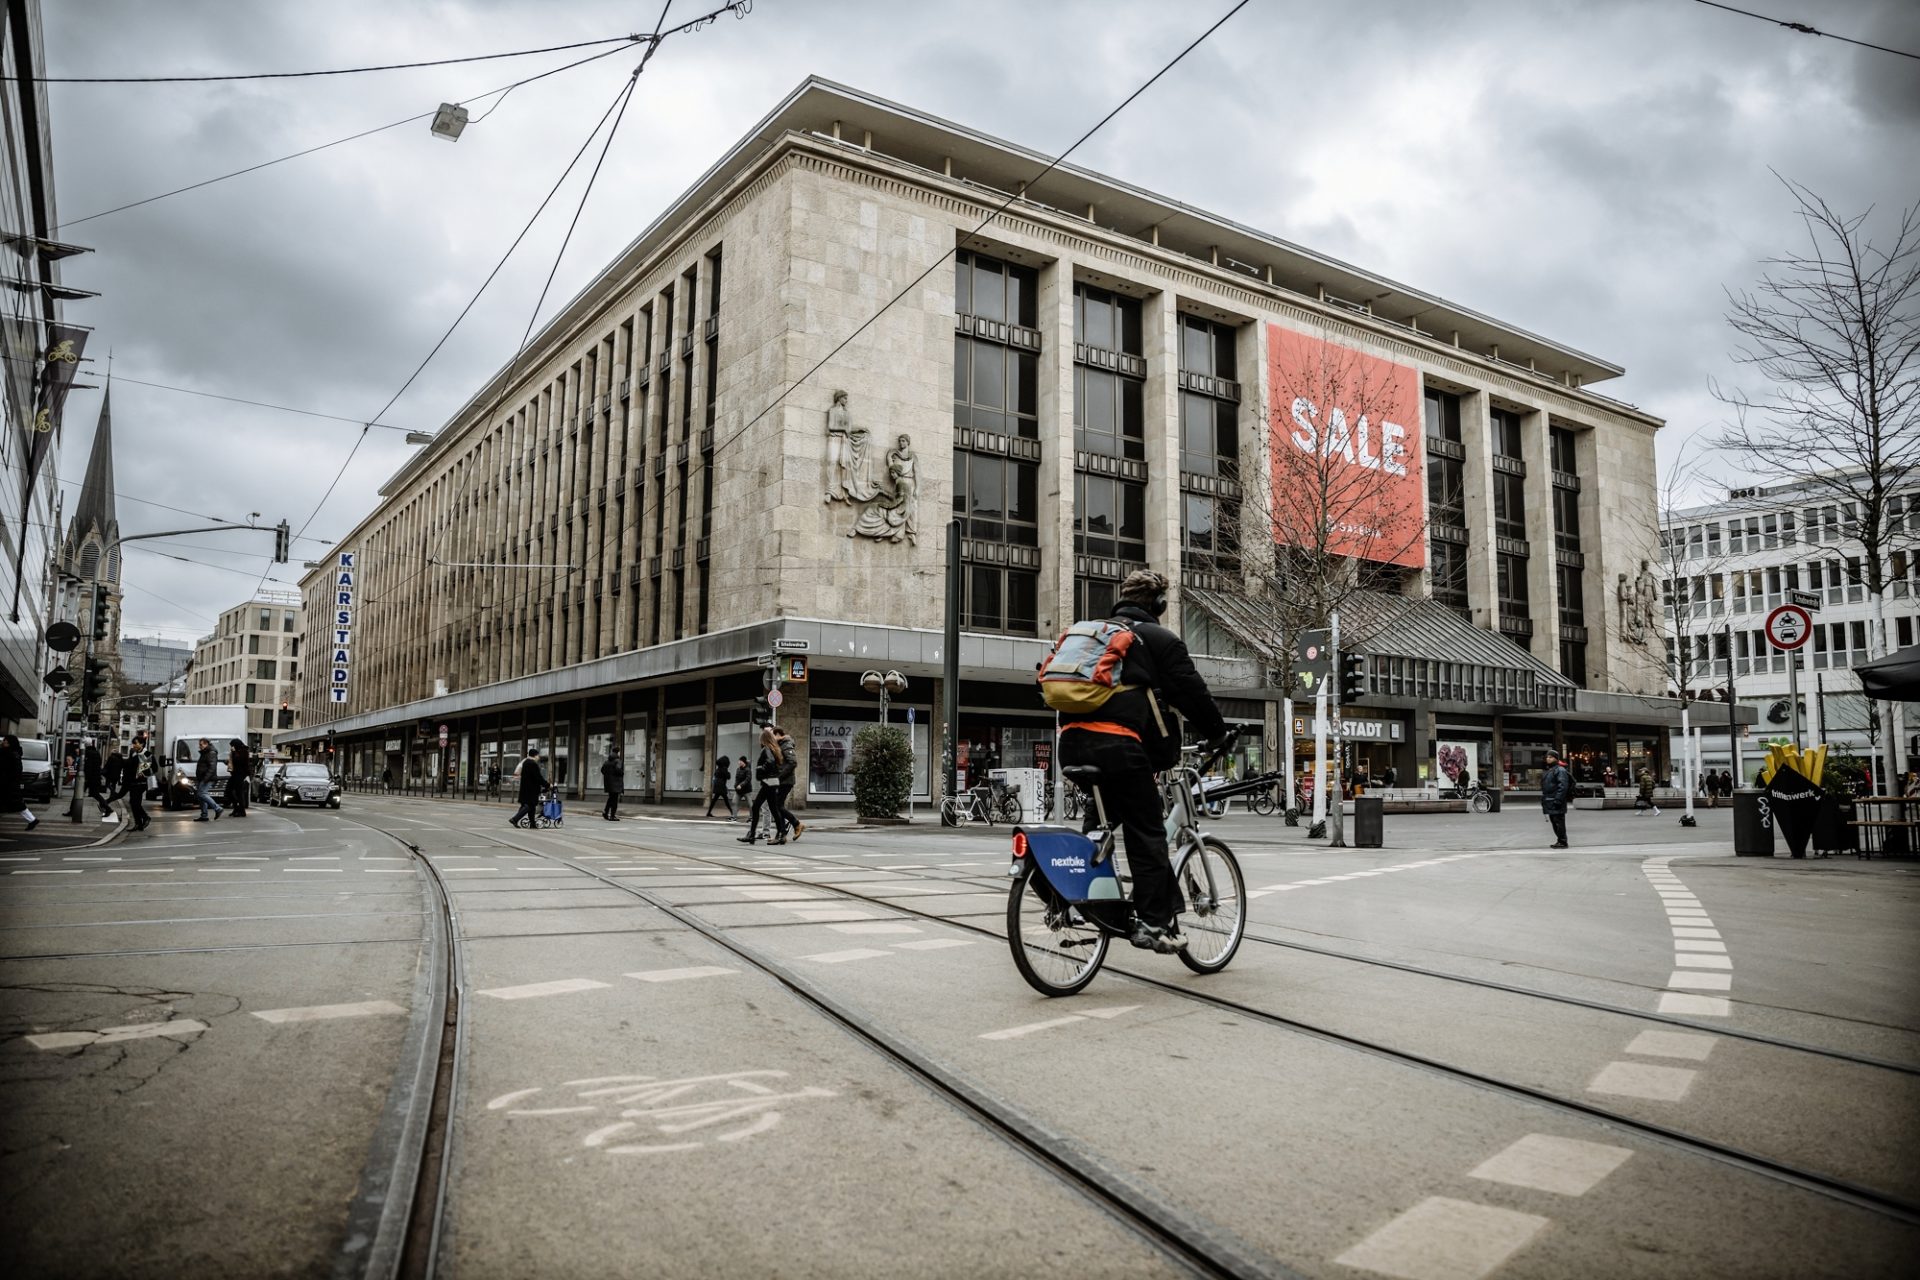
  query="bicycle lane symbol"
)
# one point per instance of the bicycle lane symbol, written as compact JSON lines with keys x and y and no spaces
{"x":669,"y":1108}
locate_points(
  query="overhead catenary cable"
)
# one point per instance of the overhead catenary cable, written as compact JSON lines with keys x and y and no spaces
{"x":331,"y":71}
{"x":1807,"y":30}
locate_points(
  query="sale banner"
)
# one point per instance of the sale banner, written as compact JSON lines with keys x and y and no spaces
{"x":1347,"y":453}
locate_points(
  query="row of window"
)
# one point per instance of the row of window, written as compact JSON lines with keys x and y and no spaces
{"x":1842,"y":580}
{"x":1741,"y":535}
{"x":1830,"y":646}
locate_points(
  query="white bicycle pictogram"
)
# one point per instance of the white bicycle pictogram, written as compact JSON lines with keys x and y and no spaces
{"x":644,"y":1102}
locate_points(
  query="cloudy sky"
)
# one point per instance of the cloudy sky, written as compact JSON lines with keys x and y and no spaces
{"x":1597,"y":172}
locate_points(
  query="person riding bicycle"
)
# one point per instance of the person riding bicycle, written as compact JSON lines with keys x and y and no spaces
{"x":1111,"y":738}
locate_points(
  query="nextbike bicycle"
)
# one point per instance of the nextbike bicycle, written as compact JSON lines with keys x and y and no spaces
{"x":1072,"y":894}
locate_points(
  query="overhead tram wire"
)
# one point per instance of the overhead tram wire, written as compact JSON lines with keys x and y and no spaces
{"x":1807,"y":30}
{"x":331,"y":71}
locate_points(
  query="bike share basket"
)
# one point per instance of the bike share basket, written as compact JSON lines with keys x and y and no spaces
{"x":1070,"y":864}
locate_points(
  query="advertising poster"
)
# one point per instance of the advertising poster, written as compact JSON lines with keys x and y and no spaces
{"x":1453,"y":761}
{"x":1347,"y":451}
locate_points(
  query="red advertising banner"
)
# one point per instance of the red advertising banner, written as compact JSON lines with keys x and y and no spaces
{"x":1345,"y":438}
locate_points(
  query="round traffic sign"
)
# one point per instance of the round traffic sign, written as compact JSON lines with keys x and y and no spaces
{"x":63,"y":637}
{"x":1789,"y":626}
{"x":775,"y":697}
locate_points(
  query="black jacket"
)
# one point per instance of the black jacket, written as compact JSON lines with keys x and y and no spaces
{"x":743,"y":776}
{"x":207,"y":767}
{"x":90,"y":767}
{"x":111,"y":770}
{"x":532,"y":781}
{"x":12,"y":780}
{"x":613,"y":776}
{"x":1159,"y":661}
{"x":767,"y":767}
{"x":1556,"y":788}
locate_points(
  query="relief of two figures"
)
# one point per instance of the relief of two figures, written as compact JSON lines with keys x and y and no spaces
{"x":887,"y":508}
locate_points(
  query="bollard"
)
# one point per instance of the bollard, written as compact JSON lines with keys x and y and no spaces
{"x":1369,"y":822}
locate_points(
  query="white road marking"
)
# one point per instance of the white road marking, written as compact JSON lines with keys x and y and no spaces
{"x":138,"y":871}
{"x":228,"y":871}
{"x":904,"y":866}
{"x":309,"y":871}
{"x":821,"y":915}
{"x":1643,"y":1080}
{"x":1698,"y":961}
{"x":74,"y":859}
{"x":43,"y":872}
{"x":236,"y":857}
{"x":875,"y":926}
{"x":389,"y":871}
{"x":681,"y":975}
{"x":841,"y":957}
{"x":316,"y":857}
{"x":1680,"y":979}
{"x":32,"y":857}
{"x":933,"y":944}
{"x":1672,"y":1044}
{"x":1691,"y":944}
{"x":778,"y":891}
{"x":447,"y":871}
{"x":317,"y":1012}
{"x":112,"y":1035}
{"x":1014,"y":1033}
{"x":1699,"y":1006}
{"x":1688,"y":932}
{"x":532,"y":989}
{"x":1444,"y":1239}
{"x":1564,"y":1166}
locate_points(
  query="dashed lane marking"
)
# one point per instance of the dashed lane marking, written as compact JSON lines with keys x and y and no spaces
{"x":532,"y":990}
{"x":1563,"y":1166}
{"x":875,"y":926}
{"x":42,"y":871}
{"x":1014,"y":1033}
{"x":1696,"y":1006}
{"x":1698,"y":960}
{"x":934,"y":944}
{"x":1672,"y":1044}
{"x":823,"y":915}
{"x":139,"y":871}
{"x":113,"y":1035}
{"x":682,"y":975}
{"x":318,"y":1012}
{"x":1694,"y":944}
{"x":1444,"y":1239}
{"x":74,"y":859}
{"x":1681,"y":978}
{"x":1643,"y":1080}
{"x":842,"y":957}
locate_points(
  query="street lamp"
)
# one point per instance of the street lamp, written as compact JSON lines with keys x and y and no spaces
{"x":420,"y":437}
{"x":891,"y":683}
{"x":448,"y":121}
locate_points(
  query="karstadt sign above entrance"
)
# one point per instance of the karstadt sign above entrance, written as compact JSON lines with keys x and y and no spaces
{"x":1347,"y":454}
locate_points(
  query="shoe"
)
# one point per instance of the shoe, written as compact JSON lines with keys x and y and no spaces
{"x":109,"y":817}
{"x":1164,"y":941}
{"x":1561,"y":845}
{"x":777,"y":840}
{"x":799,"y":829}
{"x":749,"y":838}
{"x":31,"y":825}
{"x":199,"y":819}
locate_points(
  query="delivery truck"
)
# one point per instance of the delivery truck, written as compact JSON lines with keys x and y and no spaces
{"x":176,"y":748}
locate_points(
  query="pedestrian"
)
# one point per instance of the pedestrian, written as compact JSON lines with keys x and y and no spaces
{"x":721,"y":789}
{"x":532,"y":784}
{"x":206,"y":772}
{"x":133,"y":782}
{"x":1556,"y":788}
{"x":110,"y":770}
{"x":93,"y":774}
{"x":1391,"y":778}
{"x":239,"y":776}
{"x":742,"y":782}
{"x":766,"y":771}
{"x":13,"y":797}
{"x":613,"y":776}
{"x":789,"y":775}
{"x":1643,"y":803}
{"x":386,"y":778}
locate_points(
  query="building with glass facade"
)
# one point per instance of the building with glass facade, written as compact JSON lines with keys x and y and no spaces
{"x":252,"y":659}
{"x":688,"y":465}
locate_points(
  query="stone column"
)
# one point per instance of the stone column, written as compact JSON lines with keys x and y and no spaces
{"x":1483,"y":580}
{"x":1160,"y":343}
{"x":1056,"y":451}
{"x":1536,"y":446}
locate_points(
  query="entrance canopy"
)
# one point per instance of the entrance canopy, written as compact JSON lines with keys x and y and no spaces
{"x":1895,"y":677}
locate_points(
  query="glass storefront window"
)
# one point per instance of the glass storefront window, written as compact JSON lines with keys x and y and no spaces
{"x":638,"y":748}
{"x":687,"y":752}
{"x":1526,"y":760}
{"x":830,"y":753}
{"x":599,"y":743}
{"x":560,"y":772}
{"x":735,"y":736}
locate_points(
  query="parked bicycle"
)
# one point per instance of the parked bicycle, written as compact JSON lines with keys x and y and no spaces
{"x":1479,"y":799}
{"x":989,"y":802}
{"x":1072,"y":893}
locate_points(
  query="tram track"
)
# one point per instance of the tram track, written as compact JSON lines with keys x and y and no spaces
{"x":1829,"y":1186}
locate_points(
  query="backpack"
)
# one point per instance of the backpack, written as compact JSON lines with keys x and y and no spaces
{"x":1083,"y":671}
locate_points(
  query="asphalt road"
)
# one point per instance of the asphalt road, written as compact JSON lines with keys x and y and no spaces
{"x":1456,"y":1056}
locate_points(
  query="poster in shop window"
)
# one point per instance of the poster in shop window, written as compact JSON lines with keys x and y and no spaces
{"x":1347,"y":453}
{"x":1454,"y":761}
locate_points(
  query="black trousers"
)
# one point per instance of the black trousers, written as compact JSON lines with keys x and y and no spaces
{"x":1559,"y":821}
{"x":768,"y":797}
{"x":1133,"y":802}
{"x":137,"y":802}
{"x":526,"y":810}
{"x":787,"y":819}
{"x":613,"y":805}
{"x":720,"y":795}
{"x":97,"y":792}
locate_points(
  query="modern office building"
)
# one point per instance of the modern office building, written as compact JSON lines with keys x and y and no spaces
{"x":42,"y":354}
{"x":147,"y":663}
{"x":253,"y":658}
{"x":1727,"y":565}
{"x":603,"y":543}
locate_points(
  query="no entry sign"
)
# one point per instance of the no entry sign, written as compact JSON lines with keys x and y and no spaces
{"x":1789,"y":626}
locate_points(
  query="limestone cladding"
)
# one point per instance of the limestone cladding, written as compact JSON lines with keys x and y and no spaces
{"x":816,"y":238}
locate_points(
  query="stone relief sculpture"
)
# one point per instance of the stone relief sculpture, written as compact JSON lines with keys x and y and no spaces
{"x":890,"y":517}
{"x":849,"y":460}
{"x":1639,"y":603}
{"x":1629,"y":604}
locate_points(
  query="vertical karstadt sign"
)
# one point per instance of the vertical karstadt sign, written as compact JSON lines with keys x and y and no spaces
{"x":345,"y":571}
{"x":1345,"y":439}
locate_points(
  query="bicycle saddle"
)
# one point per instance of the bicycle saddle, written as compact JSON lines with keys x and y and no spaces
{"x":1086,"y":776}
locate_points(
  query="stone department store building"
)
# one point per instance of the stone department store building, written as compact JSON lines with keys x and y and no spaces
{"x":597,"y":553}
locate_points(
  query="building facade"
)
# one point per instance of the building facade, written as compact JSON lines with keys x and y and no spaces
{"x":253,"y":659}
{"x":1729,"y":564}
{"x":150,"y":663}
{"x":598,"y":549}
{"x":86,"y":587}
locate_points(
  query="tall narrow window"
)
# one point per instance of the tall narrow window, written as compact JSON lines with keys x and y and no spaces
{"x":1109,"y":440}
{"x":1209,"y":451}
{"x":1447,"y":536}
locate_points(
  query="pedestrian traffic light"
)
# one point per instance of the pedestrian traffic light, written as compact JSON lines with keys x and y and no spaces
{"x":93,"y":682}
{"x":1353,"y":677}
{"x":762,"y":712}
{"x":101,"y":615}
{"x":282,"y":542}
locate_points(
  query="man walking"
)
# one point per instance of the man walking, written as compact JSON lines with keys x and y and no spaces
{"x":133,"y":782}
{"x":239,"y":777}
{"x":613,"y":776}
{"x":1556,"y":788}
{"x":206,"y":772}
{"x":94,"y":774}
{"x":789,"y":777}
{"x":532,"y":784}
{"x":720,"y":788}
{"x":110,"y":770}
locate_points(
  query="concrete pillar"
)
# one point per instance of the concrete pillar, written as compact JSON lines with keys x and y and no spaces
{"x":1536,"y":447}
{"x":1483,"y":581}
{"x":1057,"y":453}
{"x":1160,"y":343}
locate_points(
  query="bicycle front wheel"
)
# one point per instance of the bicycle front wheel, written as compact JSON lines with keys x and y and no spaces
{"x":1482,"y":801}
{"x":1261,"y":802}
{"x":949,"y":812}
{"x":1217,"y":900}
{"x":1007,"y":810}
{"x":1055,"y":948}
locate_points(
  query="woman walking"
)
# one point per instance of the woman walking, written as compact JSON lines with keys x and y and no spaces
{"x":766,"y":770}
{"x":12,"y":798}
{"x":720,"y":788}
{"x":239,"y":777}
{"x":533,"y":785}
{"x":1643,"y":803}
{"x":789,"y":774}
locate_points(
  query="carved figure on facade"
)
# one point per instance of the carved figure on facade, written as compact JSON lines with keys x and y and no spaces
{"x":1639,"y":603}
{"x":849,"y":456}
{"x":891,"y":516}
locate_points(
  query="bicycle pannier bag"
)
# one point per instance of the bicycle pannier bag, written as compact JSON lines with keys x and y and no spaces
{"x":1083,"y":671}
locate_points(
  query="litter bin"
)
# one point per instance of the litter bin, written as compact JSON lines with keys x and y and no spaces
{"x":1496,"y":801}
{"x":1369,"y":821}
{"x":1752,"y":823}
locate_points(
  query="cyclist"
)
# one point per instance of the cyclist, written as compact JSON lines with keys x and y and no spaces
{"x":1112,"y":740}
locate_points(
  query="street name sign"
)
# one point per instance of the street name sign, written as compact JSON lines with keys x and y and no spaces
{"x":786,"y":645}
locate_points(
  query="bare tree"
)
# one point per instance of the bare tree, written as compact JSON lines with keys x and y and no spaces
{"x":1834,"y":330}
{"x":1333,"y":507}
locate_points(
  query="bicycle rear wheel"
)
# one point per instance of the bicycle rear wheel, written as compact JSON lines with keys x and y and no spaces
{"x":1007,"y":809}
{"x":1261,"y":802}
{"x":1055,"y":948}
{"x":1216,"y":897}
{"x":949,"y":812}
{"x":1482,"y":802}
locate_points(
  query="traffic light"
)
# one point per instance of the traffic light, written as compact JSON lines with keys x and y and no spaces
{"x":101,"y":616}
{"x":93,"y":683}
{"x":762,"y":712}
{"x":1353,"y":677}
{"x":282,"y":542}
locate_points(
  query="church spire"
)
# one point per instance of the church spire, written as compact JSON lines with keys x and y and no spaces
{"x":95,"y":508}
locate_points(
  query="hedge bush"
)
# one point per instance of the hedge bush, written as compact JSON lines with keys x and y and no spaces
{"x":882,"y":771}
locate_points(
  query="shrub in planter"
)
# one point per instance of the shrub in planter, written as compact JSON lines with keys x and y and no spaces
{"x":882,"y":770}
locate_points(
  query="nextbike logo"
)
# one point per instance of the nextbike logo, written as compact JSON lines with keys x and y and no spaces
{"x":1069,"y":861}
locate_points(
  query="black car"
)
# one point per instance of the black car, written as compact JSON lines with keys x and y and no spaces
{"x":303,"y":784}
